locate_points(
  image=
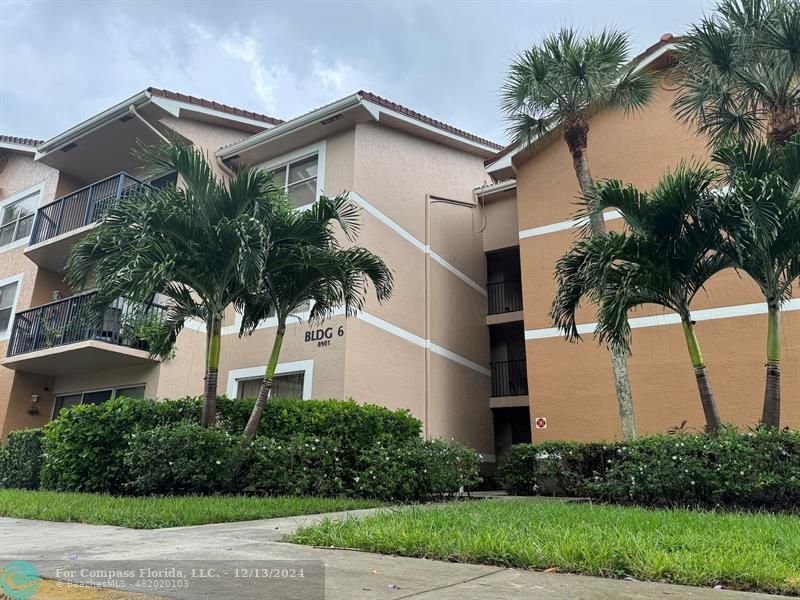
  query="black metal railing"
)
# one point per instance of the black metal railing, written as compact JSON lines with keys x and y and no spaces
{"x":509,"y":378}
{"x":81,"y":207}
{"x":504,"y":296}
{"x":71,"y":320}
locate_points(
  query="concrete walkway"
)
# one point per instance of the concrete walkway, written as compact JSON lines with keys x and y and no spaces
{"x":349,"y":575}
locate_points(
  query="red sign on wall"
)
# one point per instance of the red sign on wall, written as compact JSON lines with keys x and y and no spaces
{"x":540,"y":422}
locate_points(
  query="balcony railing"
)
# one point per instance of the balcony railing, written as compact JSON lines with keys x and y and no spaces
{"x":504,"y":297}
{"x":82,"y":207}
{"x":509,"y":378}
{"x":70,"y":320}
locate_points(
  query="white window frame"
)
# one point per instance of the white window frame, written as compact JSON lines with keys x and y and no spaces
{"x":113,"y":389}
{"x":36,"y":189}
{"x":4,"y":335}
{"x":317,"y":149}
{"x":288,"y":368}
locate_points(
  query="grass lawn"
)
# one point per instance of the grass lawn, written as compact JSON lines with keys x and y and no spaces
{"x":155,"y":512}
{"x":736,"y":550}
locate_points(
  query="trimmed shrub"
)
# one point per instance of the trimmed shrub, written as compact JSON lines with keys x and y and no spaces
{"x":83,"y":450}
{"x":751,"y":470}
{"x":553,"y":468}
{"x":21,"y":459}
{"x":360,"y":424}
{"x":299,"y":466}
{"x":416,"y":470}
{"x":84,"y":447}
{"x":410,"y":471}
{"x":179,"y":459}
{"x":755,"y":469}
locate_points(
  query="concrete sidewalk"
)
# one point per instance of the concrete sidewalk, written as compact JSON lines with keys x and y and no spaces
{"x":348,"y":574}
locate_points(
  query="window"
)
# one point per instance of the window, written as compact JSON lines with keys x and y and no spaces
{"x":8,"y":295}
{"x":96,"y":397}
{"x":16,"y":221}
{"x":289,"y":385}
{"x":299,"y":180}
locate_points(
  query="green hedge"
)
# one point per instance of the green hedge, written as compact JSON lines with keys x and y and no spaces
{"x":85,"y":446}
{"x":21,"y":459}
{"x":319,"y":447}
{"x":754,"y":469}
{"x":180,"y":459}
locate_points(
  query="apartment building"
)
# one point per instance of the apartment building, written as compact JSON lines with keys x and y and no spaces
{"x":426,"y":350}
{"x":471,"y":231}
{"x":571,"y":385}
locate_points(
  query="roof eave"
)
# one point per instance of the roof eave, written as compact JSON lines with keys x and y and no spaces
{"x":22,"y":148}
{"x":95,"y":122}
{"x":289,"y":127}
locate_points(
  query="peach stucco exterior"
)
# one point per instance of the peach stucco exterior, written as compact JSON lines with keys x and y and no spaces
{"x":458,"y":345}
{"x":571,"y":384}
{"x":426,"y":350}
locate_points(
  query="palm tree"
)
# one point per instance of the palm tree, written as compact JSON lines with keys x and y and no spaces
{"x":763,"y":236}
{"x":306,"y":265}
{"x":664,"y":258}
{"x":198,"y":245}
{"x":559,"y":84}
{"x":739,"y":71}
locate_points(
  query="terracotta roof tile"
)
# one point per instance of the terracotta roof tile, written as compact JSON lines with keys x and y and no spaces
{"x":232,"y":110}
{"x":426,"y":119}
{"x":11,"y":139}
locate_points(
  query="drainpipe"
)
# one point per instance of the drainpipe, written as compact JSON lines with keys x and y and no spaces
{"x":223,"y":167}
{"x":135,"y":113}
{"x":429,"y":200}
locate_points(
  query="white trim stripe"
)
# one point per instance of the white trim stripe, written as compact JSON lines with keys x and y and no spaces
{"x":422,"y":342}
{"x":707,"y":314}
{"x":564,"y":225}
{"x":403,"y":233}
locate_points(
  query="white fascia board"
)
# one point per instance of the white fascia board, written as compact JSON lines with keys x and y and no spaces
{"x":24,"y":148}
{"x":504,"y":162}
{"x":378,"y":109}
{"x":97,"y":121}
{"x":174,"y":108}
{"x":290,"y":127}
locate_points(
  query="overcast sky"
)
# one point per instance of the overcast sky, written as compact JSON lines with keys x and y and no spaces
{"x":62,"y":62}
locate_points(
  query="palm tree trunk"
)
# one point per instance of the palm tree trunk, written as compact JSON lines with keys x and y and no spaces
{"x":576,"y":132}
{"x":264,"y":390}
{"x":213,"y":340}
{"x":771,"y":414}
{"x":783,"y":122}
{"x":713,"y":421}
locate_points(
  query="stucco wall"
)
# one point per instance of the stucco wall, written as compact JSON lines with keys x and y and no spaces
{"x":571,"y":384}
{"x":398,"y":174}
{"x":21,"y":174}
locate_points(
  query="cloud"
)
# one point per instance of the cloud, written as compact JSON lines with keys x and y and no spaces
{"x":336,"y":78}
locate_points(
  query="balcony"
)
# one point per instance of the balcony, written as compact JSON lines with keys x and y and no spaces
{"x":504,"y":297}
{"x":509,"y":378}
{"x":504,"y":286}
{"x":58,"y":225}
{"x":64,"y":337}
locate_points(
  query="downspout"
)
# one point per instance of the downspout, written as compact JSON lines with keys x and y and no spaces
{"x":427,"y":312}
{"x":223,"y":167}
{"x":429,"y":200}
{"x":135,"y":113}
{"x":132,"y":110}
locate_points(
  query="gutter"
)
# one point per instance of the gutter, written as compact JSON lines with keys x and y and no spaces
{"x":82,"y":129}
{"x":493,"y":188}
{"x":290,"y":127}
